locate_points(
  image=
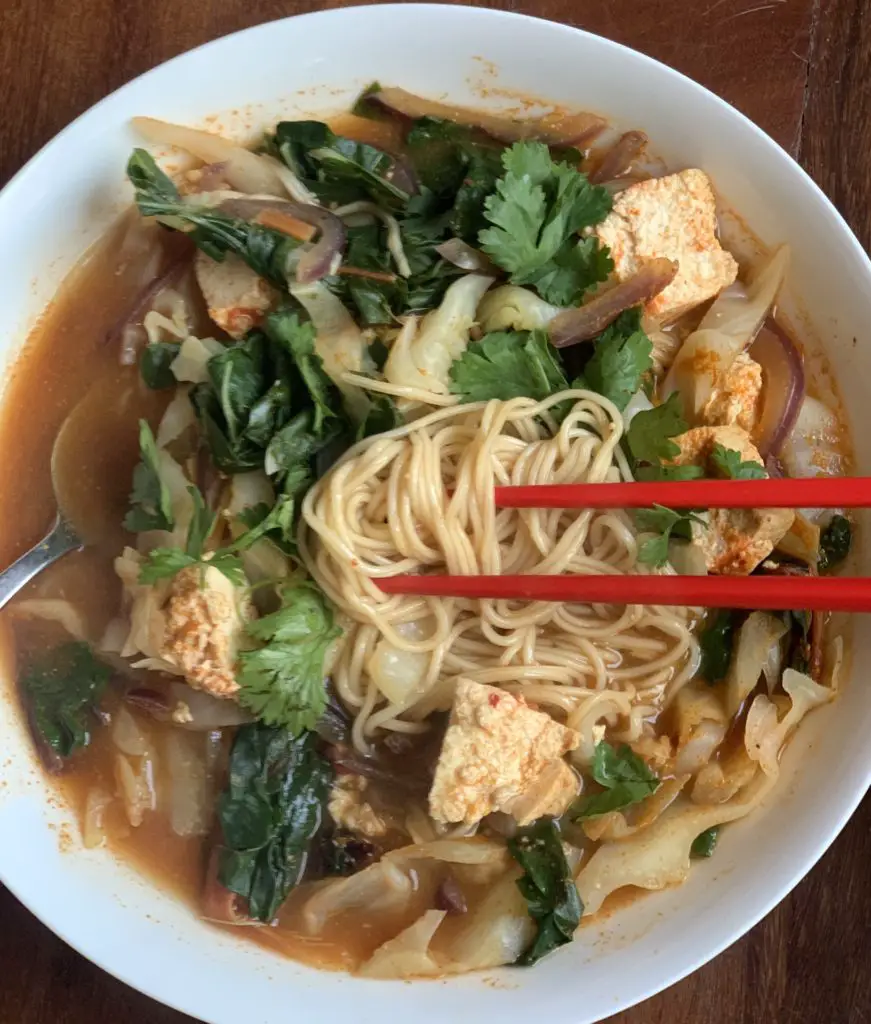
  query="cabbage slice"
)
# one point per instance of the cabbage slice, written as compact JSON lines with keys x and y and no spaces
{"x":729,"y":326}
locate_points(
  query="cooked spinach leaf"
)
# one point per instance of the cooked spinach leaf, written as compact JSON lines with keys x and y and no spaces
{"x":625,"y":777}
{"x":155,"y":362}
{"x":266,"y":251}
{"x":716,"y":642}
{"x":282,"y":682}
{"x":337,"y":169}
{"x":547,"y":886}
{"x":835,"y":542}
{"x":704,"y":844}
{"x":150,"y":500}
{"x":61,"y":690}
{"x":269,"y":814}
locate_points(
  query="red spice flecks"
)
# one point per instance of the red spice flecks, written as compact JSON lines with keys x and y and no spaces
{"x":493,"y":700}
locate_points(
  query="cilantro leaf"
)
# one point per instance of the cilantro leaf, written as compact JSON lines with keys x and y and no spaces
{"x":62,"y":690}
{"x":715,"y":644}
{"x":625,"y":776}
{"x":651,"y":430}
{"x":835,"y":543}
{"x":161,"y":563}
{"x":728,"y":462}
{"x":620,"y":359}
{"x":508,"y":364}
{"x":535,"y":212}
{"x":705,"y":842}
{"x":575,"y":268}
{"x":547,"y":886}
{"x":664,"y":522}
{"x":150,"y":500}
{"x":282,"y":682}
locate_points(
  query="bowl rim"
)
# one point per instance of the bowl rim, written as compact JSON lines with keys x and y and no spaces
{"x":8,"y":194}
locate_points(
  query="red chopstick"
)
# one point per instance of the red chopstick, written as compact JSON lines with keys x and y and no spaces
{"x":811,"y":593}
{"x":816,"y":492}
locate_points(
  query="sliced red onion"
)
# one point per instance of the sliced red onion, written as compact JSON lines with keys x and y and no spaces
{"x":467,"y":257}
{"x":127,"y":332}
{"x":593,"y":317}
{"x":401,"y":174}
{"x":620,"y":157}
{"x":783,"y":386}
{"x":577,"y":129}
{"x":322,"y":258}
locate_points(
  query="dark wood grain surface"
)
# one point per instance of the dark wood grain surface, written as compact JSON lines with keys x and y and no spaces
{"x":799,"y":68}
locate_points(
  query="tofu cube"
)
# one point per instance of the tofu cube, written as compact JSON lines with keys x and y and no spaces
{"x":674,"y":217}
{"x":735,"y":541}
{"x":496,"y":750}
{"x":736,"y":400}
{"x":236,"y":296}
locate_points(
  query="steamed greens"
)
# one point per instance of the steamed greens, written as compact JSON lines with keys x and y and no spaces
{"x":62,"y":690}
{"x":547,"y":886}
{"x":269,"y":814}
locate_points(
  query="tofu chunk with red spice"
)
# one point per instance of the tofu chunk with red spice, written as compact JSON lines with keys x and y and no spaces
{"x":499,"y":754}
{"x":237,"y":298}
{"x":736,"y":540}
{"x":673,"y":217}
{"x":736,"y":399}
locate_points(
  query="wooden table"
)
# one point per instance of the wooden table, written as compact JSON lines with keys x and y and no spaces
{"x":796,"y":67}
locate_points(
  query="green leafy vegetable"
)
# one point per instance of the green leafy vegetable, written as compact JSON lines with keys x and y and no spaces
{"x":62,"y":689}
{"x":269,"y":814}
{"x":547,"y":886}
{"x":664,"y":522}
{"x":150,"y":501}
{"x":535,"y":213}
{"x":337,"y":169}
{"x":716,"y":643}
{"x":266,"y":251}
{"x":508,"y":364}
{"x":625,"y":776}
{"x":285,"y":329}
{"x":282,"y":682}
{"x":620,"y":359}
{"x":649,"y":442}
{"x":277,"y":524}
{"x":729,"y":464}
{"x":704,"y":844}
{"x":835,"y":542}
{"x":155,"y":362}
{"x":161,"y":563}
{"x":383,"y":415}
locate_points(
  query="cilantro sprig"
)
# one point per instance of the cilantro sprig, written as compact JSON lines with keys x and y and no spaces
{"x":508,"y":364}
{"x":163,"y":562}
{"x":621,"y":358}
{"x":665,"y":523}
{"x":625,"y":778}
{"x":729,"y":464}
{"x":535,"y":214}
{"x":282,"y":682}
{"x":650,"y":445}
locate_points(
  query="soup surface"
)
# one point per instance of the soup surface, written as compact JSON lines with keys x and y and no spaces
{"x":298,"y":371}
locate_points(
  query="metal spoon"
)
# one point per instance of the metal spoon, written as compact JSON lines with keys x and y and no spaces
{"x":102,"y":414}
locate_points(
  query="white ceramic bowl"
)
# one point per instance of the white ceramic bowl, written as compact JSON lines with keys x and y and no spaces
{"x":67,"y":195}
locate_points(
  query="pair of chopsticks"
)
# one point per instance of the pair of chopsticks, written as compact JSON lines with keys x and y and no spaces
{"x":811,"y":593}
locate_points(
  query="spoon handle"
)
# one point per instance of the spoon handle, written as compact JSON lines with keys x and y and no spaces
{"x":59,"y":541}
